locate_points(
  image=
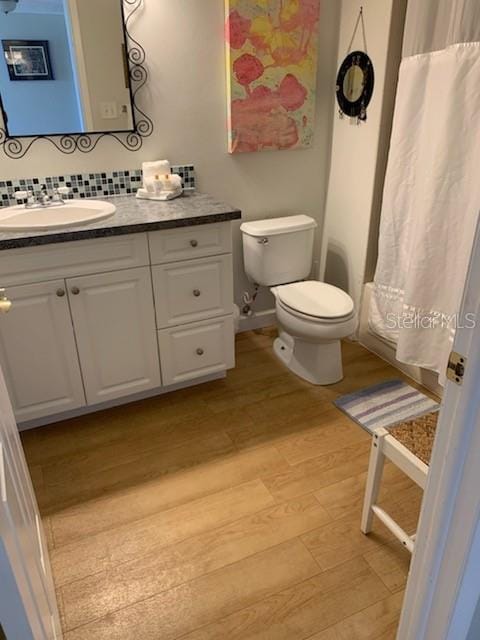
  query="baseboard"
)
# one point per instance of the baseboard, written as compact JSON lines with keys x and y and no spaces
{"x":258,"y":320}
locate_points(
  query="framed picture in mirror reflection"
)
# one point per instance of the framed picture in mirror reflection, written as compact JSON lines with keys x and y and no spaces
{"x":28,"y":59}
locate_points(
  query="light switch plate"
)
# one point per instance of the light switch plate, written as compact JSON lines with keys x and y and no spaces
{"x":109,"y":110}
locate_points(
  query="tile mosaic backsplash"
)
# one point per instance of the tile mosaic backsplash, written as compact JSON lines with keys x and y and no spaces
{"x":89,"y":185}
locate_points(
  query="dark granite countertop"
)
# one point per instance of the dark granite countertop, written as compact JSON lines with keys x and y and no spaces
{"x":132,"y":216}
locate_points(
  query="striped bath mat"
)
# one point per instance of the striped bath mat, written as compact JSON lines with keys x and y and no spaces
{"x":385,"y":404}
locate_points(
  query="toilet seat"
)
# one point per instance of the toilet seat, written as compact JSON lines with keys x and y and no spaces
{"x":314,"y":320}
{"x":317,"y":301}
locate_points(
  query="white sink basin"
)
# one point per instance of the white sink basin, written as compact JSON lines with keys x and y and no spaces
{"x":73,"y":212}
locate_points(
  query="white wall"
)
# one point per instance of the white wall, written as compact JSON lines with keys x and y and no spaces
{"x":474,"y":632}
{"x":43,"y":106}
{"x":186,"y":93}
{"x":40,"y":6}
{"x":99,"y":44}
{"x":359,"y":152}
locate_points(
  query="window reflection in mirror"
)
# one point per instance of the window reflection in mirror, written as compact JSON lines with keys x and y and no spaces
{"x":64,"y":68}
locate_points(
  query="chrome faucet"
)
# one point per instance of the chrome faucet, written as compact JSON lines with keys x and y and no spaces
{"x":43,"y":199}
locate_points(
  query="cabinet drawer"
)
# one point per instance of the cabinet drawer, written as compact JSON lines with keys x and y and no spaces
{"x":82,"y":257}
{"x":171,"y":245}
{"x":196,"y":350}
{"x":193,"y":290}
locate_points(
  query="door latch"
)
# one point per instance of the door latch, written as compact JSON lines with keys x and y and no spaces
{"x":5,"y":303}
{"x":456,"y":367}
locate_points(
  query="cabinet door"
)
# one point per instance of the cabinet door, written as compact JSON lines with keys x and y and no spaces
{"x":114,"y":322}
{"x":38,"y":352}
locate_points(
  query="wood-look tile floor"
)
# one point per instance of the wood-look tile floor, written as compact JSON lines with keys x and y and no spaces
{"x":227,"y":510}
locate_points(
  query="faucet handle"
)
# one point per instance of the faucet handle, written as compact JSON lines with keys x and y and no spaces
{"x":59,"y":193}
{"x":27,"y":195}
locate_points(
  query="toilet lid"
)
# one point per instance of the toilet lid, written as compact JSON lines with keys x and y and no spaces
{"x":316,"y":299}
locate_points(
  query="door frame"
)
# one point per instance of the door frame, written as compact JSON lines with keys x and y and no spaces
{"x":443,"y":588}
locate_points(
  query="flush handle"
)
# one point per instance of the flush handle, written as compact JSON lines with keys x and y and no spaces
{"x":196,"y":293}
{"x":194,"y":243}
{"x":263,"y":241}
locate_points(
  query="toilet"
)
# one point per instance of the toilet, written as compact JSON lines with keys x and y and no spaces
{"x":312,"y":316}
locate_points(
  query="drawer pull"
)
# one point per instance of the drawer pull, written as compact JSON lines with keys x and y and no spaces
{"x":196,"y":293}
{"x":194,"y":243}
{"x":60,"y":293}
{"x":200,"y":352}
{"x":75,"y":291}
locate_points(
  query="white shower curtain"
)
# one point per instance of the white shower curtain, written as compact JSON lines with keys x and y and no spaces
{"x":431,"y":197}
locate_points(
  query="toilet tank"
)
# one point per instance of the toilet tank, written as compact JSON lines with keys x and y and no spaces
{"x":278,"y":250}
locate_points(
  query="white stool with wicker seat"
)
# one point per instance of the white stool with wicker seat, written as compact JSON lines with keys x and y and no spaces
{"x":409,"y":446}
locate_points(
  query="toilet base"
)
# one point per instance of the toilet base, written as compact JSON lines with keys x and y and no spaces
{"x":319,"y":363}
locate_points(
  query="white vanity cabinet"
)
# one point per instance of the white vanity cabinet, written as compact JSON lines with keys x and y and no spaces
{"x":100,"y":320}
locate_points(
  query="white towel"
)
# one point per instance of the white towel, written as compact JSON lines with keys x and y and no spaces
{"x":151,"y":169}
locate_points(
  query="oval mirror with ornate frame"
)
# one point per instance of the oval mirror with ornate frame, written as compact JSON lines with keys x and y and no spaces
{"x":131,"y":66}
{"x":355,"y":83}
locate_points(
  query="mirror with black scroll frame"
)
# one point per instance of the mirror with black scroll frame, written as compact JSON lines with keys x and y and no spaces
{"x":70,"y":73}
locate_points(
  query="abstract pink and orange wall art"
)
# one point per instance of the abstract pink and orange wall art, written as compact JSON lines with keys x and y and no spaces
{"x":271,"y":73}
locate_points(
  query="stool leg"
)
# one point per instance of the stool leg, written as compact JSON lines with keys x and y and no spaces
{"x":374,"y":478}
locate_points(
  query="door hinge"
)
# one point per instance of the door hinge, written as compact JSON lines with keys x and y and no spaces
{"x":456,"y":367}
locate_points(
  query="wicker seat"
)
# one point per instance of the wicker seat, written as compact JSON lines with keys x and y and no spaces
{"x":409,"y":446}
{"x":417,"y":435}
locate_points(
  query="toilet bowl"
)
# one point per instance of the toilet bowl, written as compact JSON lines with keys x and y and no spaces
{"x":312,"y":316}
